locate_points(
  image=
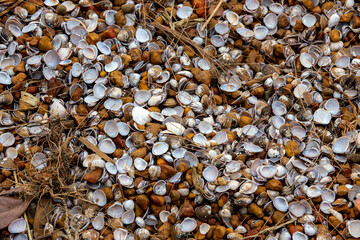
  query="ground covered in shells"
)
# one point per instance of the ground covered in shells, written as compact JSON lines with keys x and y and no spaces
{"x":179,"y":119}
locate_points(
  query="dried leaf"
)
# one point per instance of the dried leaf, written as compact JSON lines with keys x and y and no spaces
{"x":43,"y":210}
{"x":13,"y":190}
{"x":29,"y":99}
{"x":11,"y":209}
{"x":54,"y":87}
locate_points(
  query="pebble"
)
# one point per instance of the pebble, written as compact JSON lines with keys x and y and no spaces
{"x":274,"y":184}
{"x":93,"y":176}
{"x":292,"y":148}
{"x":256,"y":210}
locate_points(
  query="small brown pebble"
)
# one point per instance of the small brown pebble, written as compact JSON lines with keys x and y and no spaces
{"x":292,"y":148}
{"x":20,"y":77}
{"x":92,"y":38}
{"x":127,"y":8}
{"x":341,"y":179}
{"x":166,"y":172}
{"x":7,"y":184}
{"x":202,"y":76}
{"x":164,"y":231}
{"x":182,"y":167}
{"x":156,"y":199}
{"x":6,"y":173}
{"x":45,"y":44}
{"x":296,"y":228}
{"x":120,"y":18}
{"x":356,"y":22}
{"x":175,"y":195}
{"x":93,"y":176}
{"x":189,"y":51}
{"x":258,"y":92}
{"x":30,"y":7}
{"x":327,"y":5}
{"x":187,"y":210}
{"x":274,"y":184}
{"x":309,"y":4}
{"x":354,"y":158}
{"x":334,"y":222}
{"x":299,"y":27}
{"x":334,"y":35}
{"x":255,"y":210}
{"x":283,"y":21}
{"x":20,"y":67}
{"x":219,"y":232}
{"x":278,"y":217}
{"x":143,"y":201}
{"x":155,"y":56}
{"x":60,"y":9}
{"x":342,"y":190}
{"x":234,"y":221}
{"x":346,"y":17}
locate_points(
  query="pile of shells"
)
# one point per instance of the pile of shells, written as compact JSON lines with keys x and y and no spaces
{"x":195,"y":119}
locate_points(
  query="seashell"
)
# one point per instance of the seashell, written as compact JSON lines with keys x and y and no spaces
{"x":353,"y":228}
{"x":107,"y":146}
{"x":270,"y":21}
{"x":248,"y":187}
{"x":128,"y":217}
{"x":52,"y":59}
{"x":175,"y":128}
{"x":116,"y":210}
{"x":322,"y":116}
{"x":341,"y":145}
{"x":333,"y":20}
{"x":90,"y":52}
{"x":210,"y":173}
{"x":5,"y":78}
{"x":260,"y":32}
{"x":160,"y":148}
{"x":125,"y":180}
{"x":113,"y":104}
{"x":90,"y":75}
{"x":7,"y":139}
{"x":299,"y":236}
{"x":307,"y":60}
{"x":297,"y":209}
{"x":140,"y":115}
{"x":313,"y":191}
{"x":142,"y":35}
{"x":276,"y":8}
{"x":204,"y":228}
{"x":17,"y":226}
{"x":98,"y":222}
{"x":184,"y":12}
{"x":99,"y":198}
{"x":188,"y":225}
{"x":140,"y":164}
{"x":99,"y":90}
{"x":221,"y":28}
{"x":267,"y":171}
{"x":281,"y":204}
{"x":111,"y":128}
{"x":309,"y":20}
{"x":252,"y":5}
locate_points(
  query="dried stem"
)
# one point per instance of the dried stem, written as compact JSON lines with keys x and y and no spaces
{"x":211,"y":16}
